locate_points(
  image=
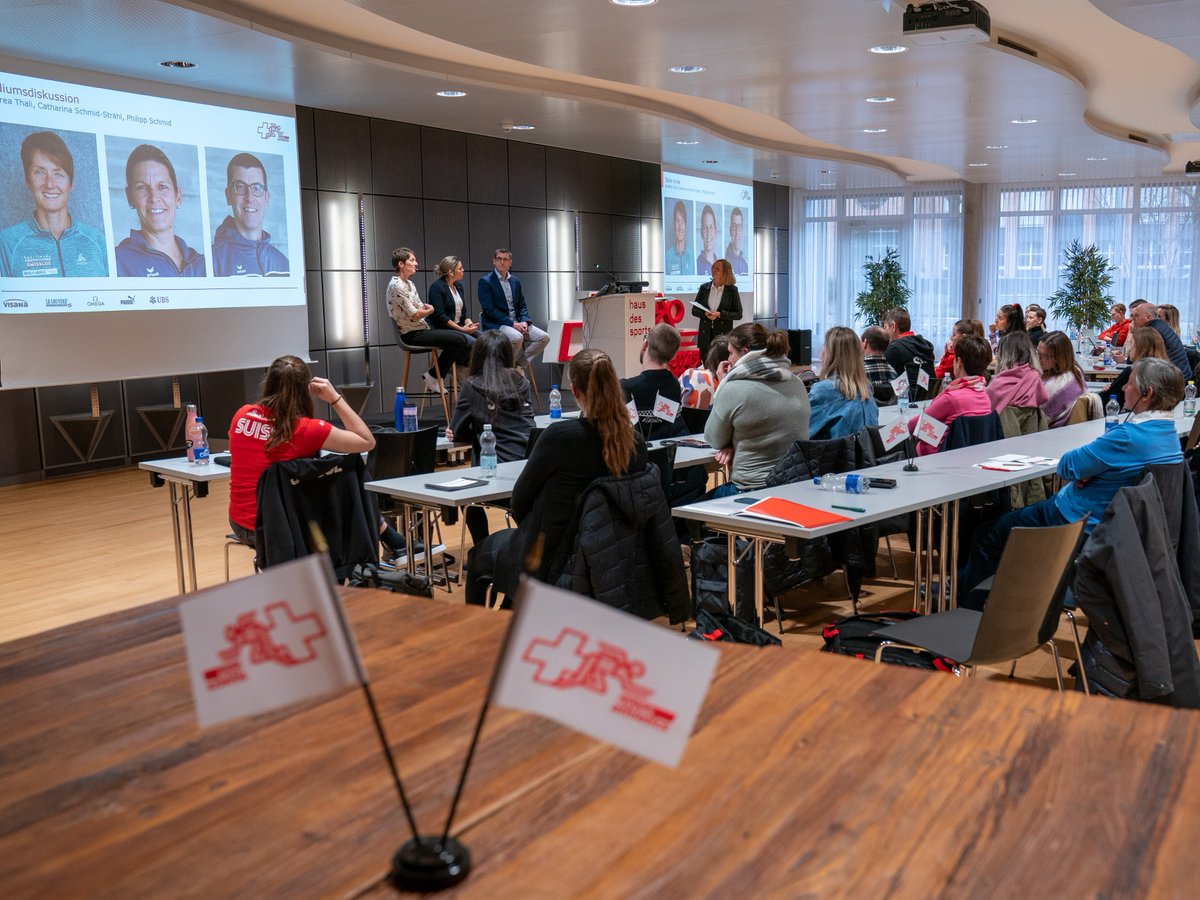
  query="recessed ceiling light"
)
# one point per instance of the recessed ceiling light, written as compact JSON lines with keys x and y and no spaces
{"x":523,"y":127}
{"x":177,"y":64}
{"x":1097,"y":158}
{"x":452,"y":93}
{"x":686,"y":70}
{"x":996,"y":147}
{"x":687,"y":143}
{"x":874,"y":130}
{"x":1024,"y":121}
{"x":881,"y":99}
{"x":888,"y":48}
{"x":632,"y":2}
{"x":977,"y":165}
{"x":1066,"y":174}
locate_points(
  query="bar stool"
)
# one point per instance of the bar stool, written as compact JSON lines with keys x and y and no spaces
{"x":409,"y":350}
{"x":537,"y":400}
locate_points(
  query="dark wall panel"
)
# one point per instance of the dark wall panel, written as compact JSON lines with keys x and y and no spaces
{"x":446,"y":232}
{"x":595,"y":175}
{"x":487,"y":170}
{"x":627,"y":246}
{"x":526,"y":175}
{"x":395,"y":158}
{"x":650,"y":182}
{"x":562,"y":178}
{"x":316,"y":308}
{"x":309,"y":210}
{"x":626,"y":187}
{"x":20,"y":448}
{"x":764,"y":205}
{"x":396,"y":222}
{"x":306,"y":148}
{"x":595,"y":242}
{"x":343,"y":151}
{"x":781,"y":250}
{"x":489,"y":230}
{"x":443,"y":164}
{"x":527,"y":230}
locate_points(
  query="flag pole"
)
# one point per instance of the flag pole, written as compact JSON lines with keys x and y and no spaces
{"x":423,"y":863}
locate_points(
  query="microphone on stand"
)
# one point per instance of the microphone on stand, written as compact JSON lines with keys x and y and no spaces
{"x":612,"y":287}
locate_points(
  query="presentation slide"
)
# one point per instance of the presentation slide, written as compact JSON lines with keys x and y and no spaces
{"x":142,"y":213}
{"x":108,"y":194}
{"x":706,"y":219}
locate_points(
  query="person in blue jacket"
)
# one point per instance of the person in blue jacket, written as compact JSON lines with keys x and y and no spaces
{"x":842,"y":402}
{"x":1095,"y":472}
{"x":502,"y":305}
{"x":155,"y":251}
{"x":51,"y":241}
{"x":241,"y":246}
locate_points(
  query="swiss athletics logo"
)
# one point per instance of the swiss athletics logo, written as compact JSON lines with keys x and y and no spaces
{"x":567,"y":662}
{"x":269,"y":130}
{"x":281,"y":637}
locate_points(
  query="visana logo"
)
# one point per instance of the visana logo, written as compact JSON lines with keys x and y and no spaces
{"x":17,"y":304}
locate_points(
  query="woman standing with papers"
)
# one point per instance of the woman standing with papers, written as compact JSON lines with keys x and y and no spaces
{"x":718,"y":305}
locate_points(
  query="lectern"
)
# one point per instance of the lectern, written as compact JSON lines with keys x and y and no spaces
{"x":617,"y":324}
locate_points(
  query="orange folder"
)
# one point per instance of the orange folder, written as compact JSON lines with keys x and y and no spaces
{"x":775,"y":509}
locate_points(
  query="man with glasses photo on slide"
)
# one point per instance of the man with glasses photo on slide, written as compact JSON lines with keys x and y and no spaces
{"x":241,"y":246}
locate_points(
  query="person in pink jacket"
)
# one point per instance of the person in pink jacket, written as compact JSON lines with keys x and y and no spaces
{"x":1018,"y":379}
{"x":967,"y":393}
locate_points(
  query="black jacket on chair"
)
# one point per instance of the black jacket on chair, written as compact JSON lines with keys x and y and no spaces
{"x":327,"y":491}
{"x":1139,"y":640}
{"x":1176,"y":488}
{"x":623,"y":550}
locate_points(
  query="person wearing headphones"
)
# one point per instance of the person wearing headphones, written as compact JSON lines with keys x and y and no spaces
{"x":1094,"y":472}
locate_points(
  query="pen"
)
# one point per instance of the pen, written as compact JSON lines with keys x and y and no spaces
{"x":849,"y":508}
{"x":994,"y":468}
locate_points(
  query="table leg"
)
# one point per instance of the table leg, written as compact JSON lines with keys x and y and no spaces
{"x":758,"y":580}
{"x":930,"y":522}
{"x":917,"y":560}
{"x":731,"y":572}
{"x":176,"y":533}
{"x":952,"y":578}
{"x":190,"y":543}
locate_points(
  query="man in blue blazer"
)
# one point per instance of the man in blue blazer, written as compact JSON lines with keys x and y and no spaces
{"x":502,"y":305}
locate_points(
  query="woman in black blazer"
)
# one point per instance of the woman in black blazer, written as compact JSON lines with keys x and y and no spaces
{"x":724,"y":312}
{"x":446,"y":298}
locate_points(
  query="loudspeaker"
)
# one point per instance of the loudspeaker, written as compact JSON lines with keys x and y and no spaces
{"x":800,"y":346}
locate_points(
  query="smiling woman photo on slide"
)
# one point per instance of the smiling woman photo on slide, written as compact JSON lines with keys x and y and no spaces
{"x":153,"y":193}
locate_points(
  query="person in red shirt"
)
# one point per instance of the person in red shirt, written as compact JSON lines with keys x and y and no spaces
{"x":1118,"y":331}
{"x":281,"y":426}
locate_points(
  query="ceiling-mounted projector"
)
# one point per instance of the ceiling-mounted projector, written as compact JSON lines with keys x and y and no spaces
{"x":1192,"y":168}
{"x":947,"y":22}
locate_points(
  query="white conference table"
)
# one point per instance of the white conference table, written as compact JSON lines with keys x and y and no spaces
{"x":417,"y":492}
{"x":940,"y":482}
{"x":185,"y":480}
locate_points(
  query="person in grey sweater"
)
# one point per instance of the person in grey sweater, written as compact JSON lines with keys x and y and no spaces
{"x":759,"y":409}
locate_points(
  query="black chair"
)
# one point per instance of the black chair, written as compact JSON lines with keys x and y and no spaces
{"x":1022,"y":612}
{"x":664,"y":458}
{"x":694,"y":419}
{"x":532,"y":440}
{"x":398,"y":454}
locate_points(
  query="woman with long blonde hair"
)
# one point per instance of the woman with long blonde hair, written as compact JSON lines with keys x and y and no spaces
{"x":567,"y":458}
{"x":842,"y":402}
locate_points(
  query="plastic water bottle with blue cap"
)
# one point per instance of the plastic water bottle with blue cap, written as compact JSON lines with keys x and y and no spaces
{"x":487,"y":452}
{"x":398,"y":409}
{"x":555,"y":402}
{"x":847,"y":484}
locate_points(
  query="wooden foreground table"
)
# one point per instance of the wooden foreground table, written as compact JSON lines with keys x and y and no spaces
{"x":808,"y":774}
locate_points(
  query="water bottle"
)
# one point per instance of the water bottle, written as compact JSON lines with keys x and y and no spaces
{"x":398,"y":409}
{"x":1189,"y":399}
{"x":946,"y":379}
{"x":555,"y":402}
{"x":848,"y":484}
{"x":410,"y":418}
{"x":199,"y":440}
{"x":487,"y":452}
{"x":1112,"y":410}
{"x":1108,"y":357}
{"x":187,"y":429}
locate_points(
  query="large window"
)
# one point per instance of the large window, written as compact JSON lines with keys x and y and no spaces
{"x":838,"y":231}
{"x":1148,"y":230}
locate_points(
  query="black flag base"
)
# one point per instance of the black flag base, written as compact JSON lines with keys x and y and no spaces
{"x":429,"y":864}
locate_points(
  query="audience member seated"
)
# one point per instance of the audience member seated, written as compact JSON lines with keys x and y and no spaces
{"x":967,"y":393}
{"x":1010,"y":318}
{"x":1119,"y":329}
{"x":280,"y":426}
{"x":1170,"y":315}
{"x":566,"y":459}
{"x":1144,"y":314}
{"x":879,"y":371}
{"x":907,"y":352}
{"x":1035,"y":322}
{"x":655,"y":379}
{"x":698,"y":385}
{"x":1144,"y":343}
{"x":946,"y":365}
{"x":1095,"y":472}
{"x":759,"y":409}
{"x":1060,"y":376}
{"x":493,"y":393}
{"x":1018,"y":379}
{"x":841,"y":402}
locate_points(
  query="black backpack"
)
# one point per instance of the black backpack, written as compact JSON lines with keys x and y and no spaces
{"x":721,"y":626}
{"x":852,"y":636}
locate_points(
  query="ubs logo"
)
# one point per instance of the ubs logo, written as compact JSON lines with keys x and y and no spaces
{"x":17,"y":304}
{"x":160,"y":300}
{"x":59,"y":303}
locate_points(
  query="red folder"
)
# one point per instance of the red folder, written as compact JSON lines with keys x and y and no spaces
{"x":775,"y":509}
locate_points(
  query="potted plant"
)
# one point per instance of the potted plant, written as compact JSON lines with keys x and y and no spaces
{"x":887,"y":288}
{"x":1083,"y":298}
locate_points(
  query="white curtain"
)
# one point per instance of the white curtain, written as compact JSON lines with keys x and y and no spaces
{"x":837,"y":231}
{"x":1148,"y":229}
